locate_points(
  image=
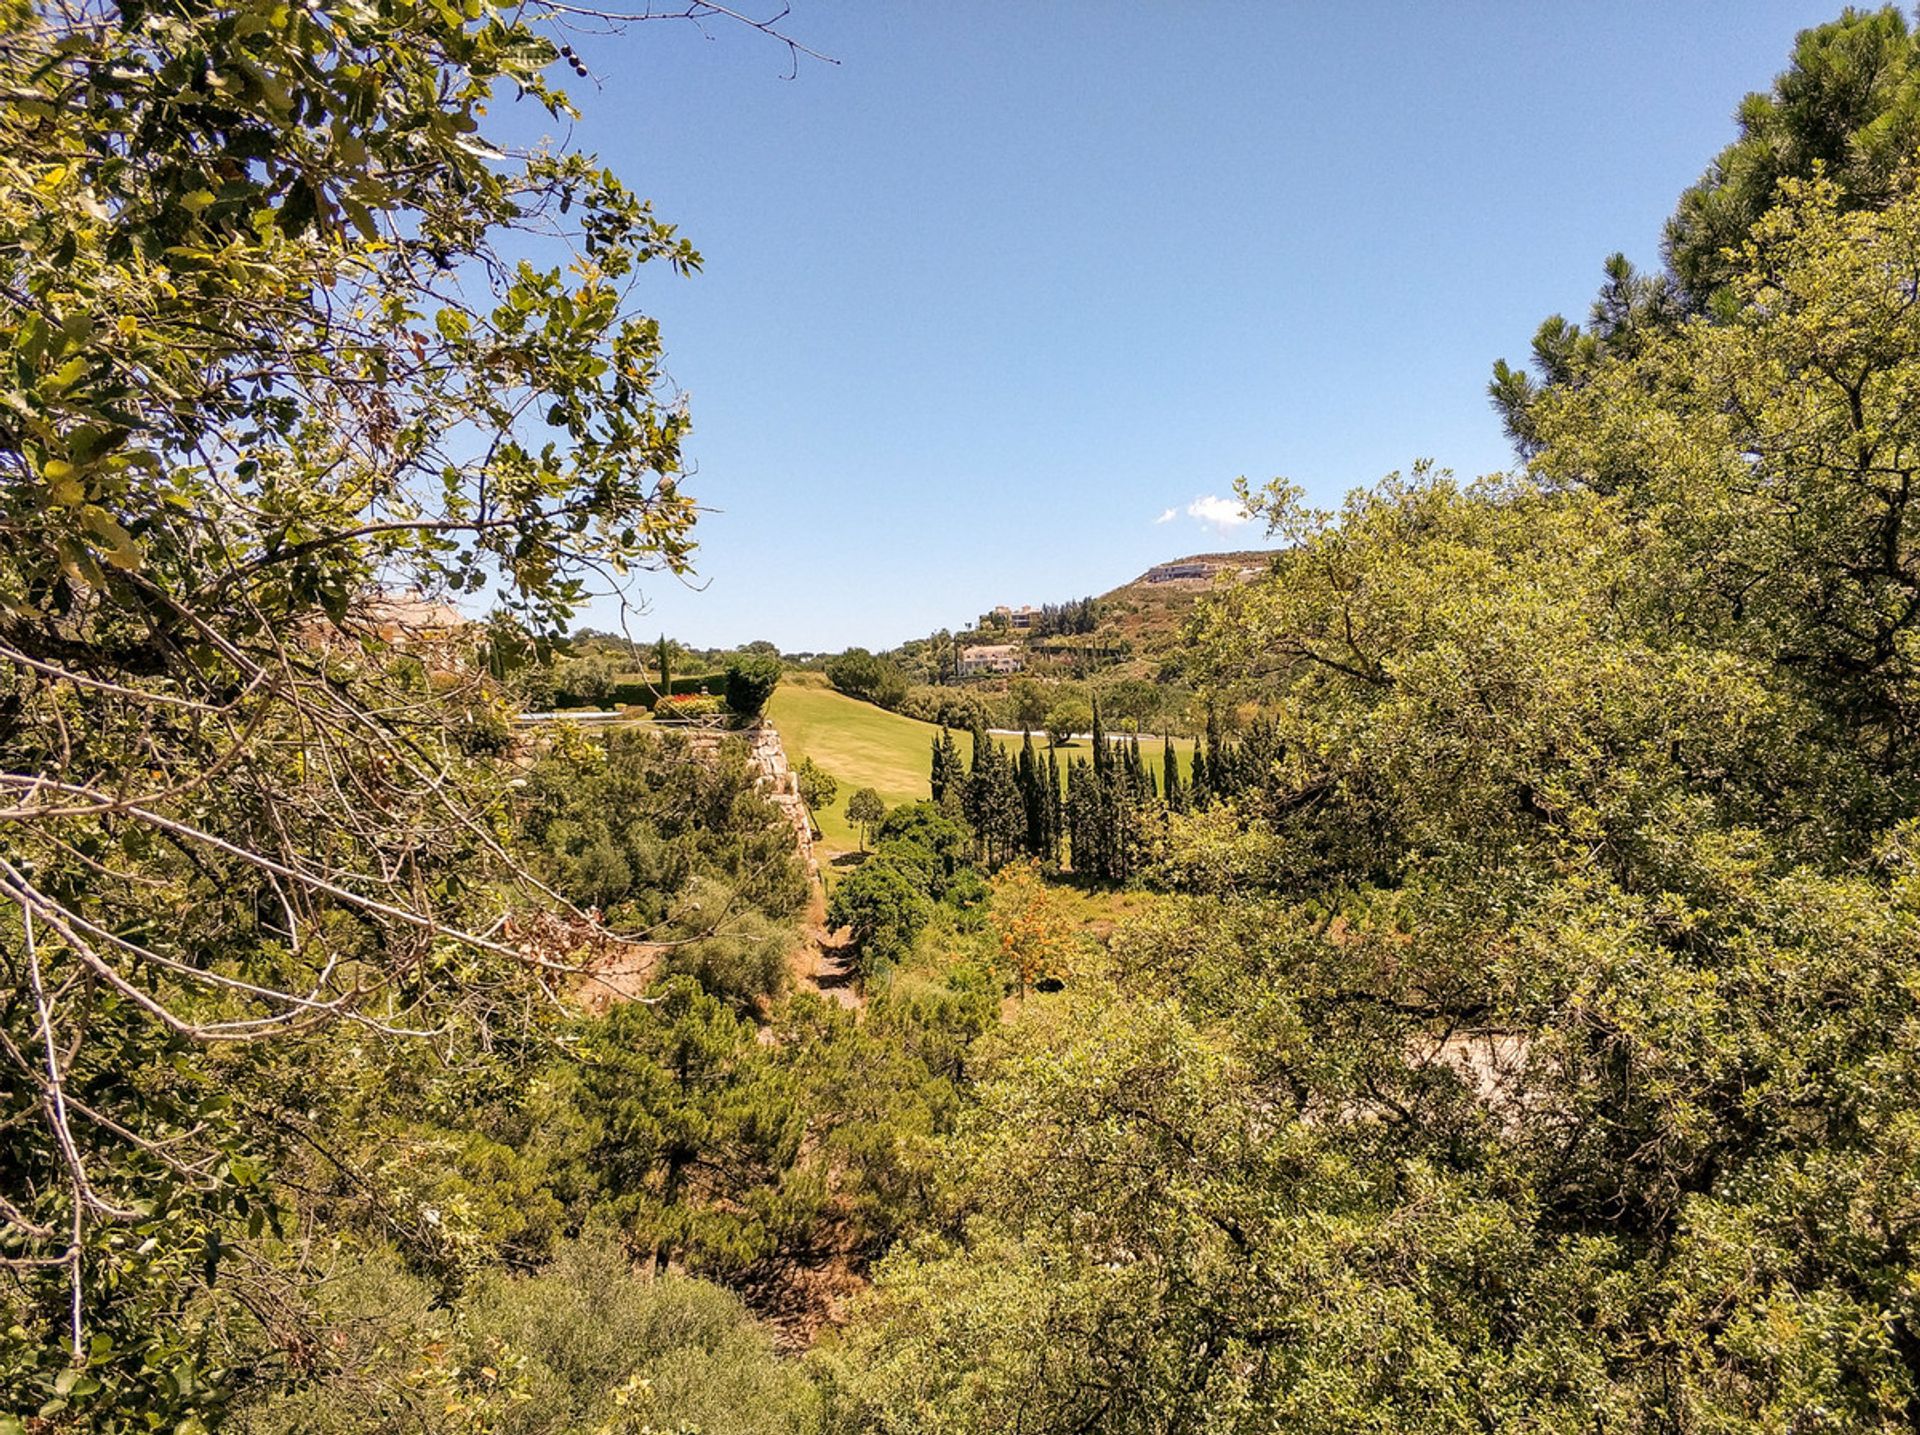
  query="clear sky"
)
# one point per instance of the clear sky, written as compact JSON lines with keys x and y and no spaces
{"x":995,"y":293}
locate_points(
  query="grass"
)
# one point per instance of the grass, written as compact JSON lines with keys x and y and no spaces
{"x":865,"y":746}
{"x":861,"y":745}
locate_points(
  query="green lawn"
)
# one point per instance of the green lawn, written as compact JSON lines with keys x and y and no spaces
{"x":861,"y":745}
{"x":865,"y":746}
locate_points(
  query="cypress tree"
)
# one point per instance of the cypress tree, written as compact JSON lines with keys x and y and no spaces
{"x":1033,"y":799}
{"x":942,"y":776}
{"x":1056,"y":809}
{"x":1003,"y":815}
{"x":1175,"y":794}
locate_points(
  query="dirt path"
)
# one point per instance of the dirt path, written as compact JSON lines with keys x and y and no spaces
{"x":820,"y":962}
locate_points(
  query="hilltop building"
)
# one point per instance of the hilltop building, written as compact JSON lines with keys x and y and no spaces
{"x":1194,"y":568}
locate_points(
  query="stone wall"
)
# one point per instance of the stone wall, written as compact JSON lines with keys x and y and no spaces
{"x":776,"y":779}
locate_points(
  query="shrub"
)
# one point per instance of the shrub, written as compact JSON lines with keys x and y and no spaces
{"x":751,"y":679}
{"x":859,"y":674}
{"x":883,"y":910}
{"x":740,"y":958}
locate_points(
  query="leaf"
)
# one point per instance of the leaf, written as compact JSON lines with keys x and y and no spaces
{"x":66,"y":375}
{"x":122,"y":549}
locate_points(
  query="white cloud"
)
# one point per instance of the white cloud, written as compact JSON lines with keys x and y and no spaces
{"x":1168,"y":516}
{"x":1218,"y":512}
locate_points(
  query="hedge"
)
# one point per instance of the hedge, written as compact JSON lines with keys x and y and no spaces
{"x":645,"y":695}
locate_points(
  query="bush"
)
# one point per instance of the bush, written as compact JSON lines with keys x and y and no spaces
{"x":739,"y":958}
{"x":585,"y":1343}
{"x":883,"y":909}
{"x":751,"y":680}
{"x":859,"y":674}
{"x":951,"y":707}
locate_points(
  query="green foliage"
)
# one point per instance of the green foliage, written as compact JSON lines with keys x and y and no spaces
{"x":1027,"y":703}
{"x":694,"y":1130}
{"x":736,"y":954}
{"x":286,"y":321}
{"x":584,"y":1343}
{"x":883,"y":907}
{"x":818,"y":787}
{"x":583,"y":682}
{"x":1847,"y":105}
{"x":925,"y":826}
{"x":859,"y":674}
{"x":628,"y":824}
{"x":865,"y":810}
{"x":1847,"y":110}
{"x":1065,"y":718}
{"x":1540,"y":1055}
{"x":751,"y":680}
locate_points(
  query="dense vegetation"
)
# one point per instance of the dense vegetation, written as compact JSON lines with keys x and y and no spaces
{"x":1521,"y":1035}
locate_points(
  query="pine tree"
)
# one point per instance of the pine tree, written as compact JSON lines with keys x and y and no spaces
{"x":979,"y":781}
{"x":951,"y":800}
{"x":1081,"y":819}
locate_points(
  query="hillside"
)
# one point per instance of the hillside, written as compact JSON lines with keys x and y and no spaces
{"x":1148,"y":613}
{"x":865,"y":746}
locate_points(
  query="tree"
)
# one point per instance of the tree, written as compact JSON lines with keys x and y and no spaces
{"x":883,"y":910}
{"x":1847,"y":108}
{"x":1769,"y":451}
{"x":751,"y":680}
{"x":1027,"y":702}
{"x":818,"y":787}
{"x":928,"y":827}
{"x":859,"y":674}
{"x":865,"y":810}
{"x":1848,"y":104}
{"x":289,"y":319}
{"x":583,"y":682}
{"x":948,"y":776}
{"x":1066,"y":718}
{"x":1172,"y":789}
{"x":1034,"y":939}
{"x":687,"y":1115}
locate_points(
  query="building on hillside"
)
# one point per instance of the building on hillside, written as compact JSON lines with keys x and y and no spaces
{"x":996,"y":658}
{"x":1179,"y":572}
{"x":1023,"y":617}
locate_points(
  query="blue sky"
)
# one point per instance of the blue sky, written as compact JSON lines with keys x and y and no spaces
{"x":986,"y":299}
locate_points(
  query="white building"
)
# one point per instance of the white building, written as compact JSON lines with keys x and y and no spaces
{"x":998,"y":658}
